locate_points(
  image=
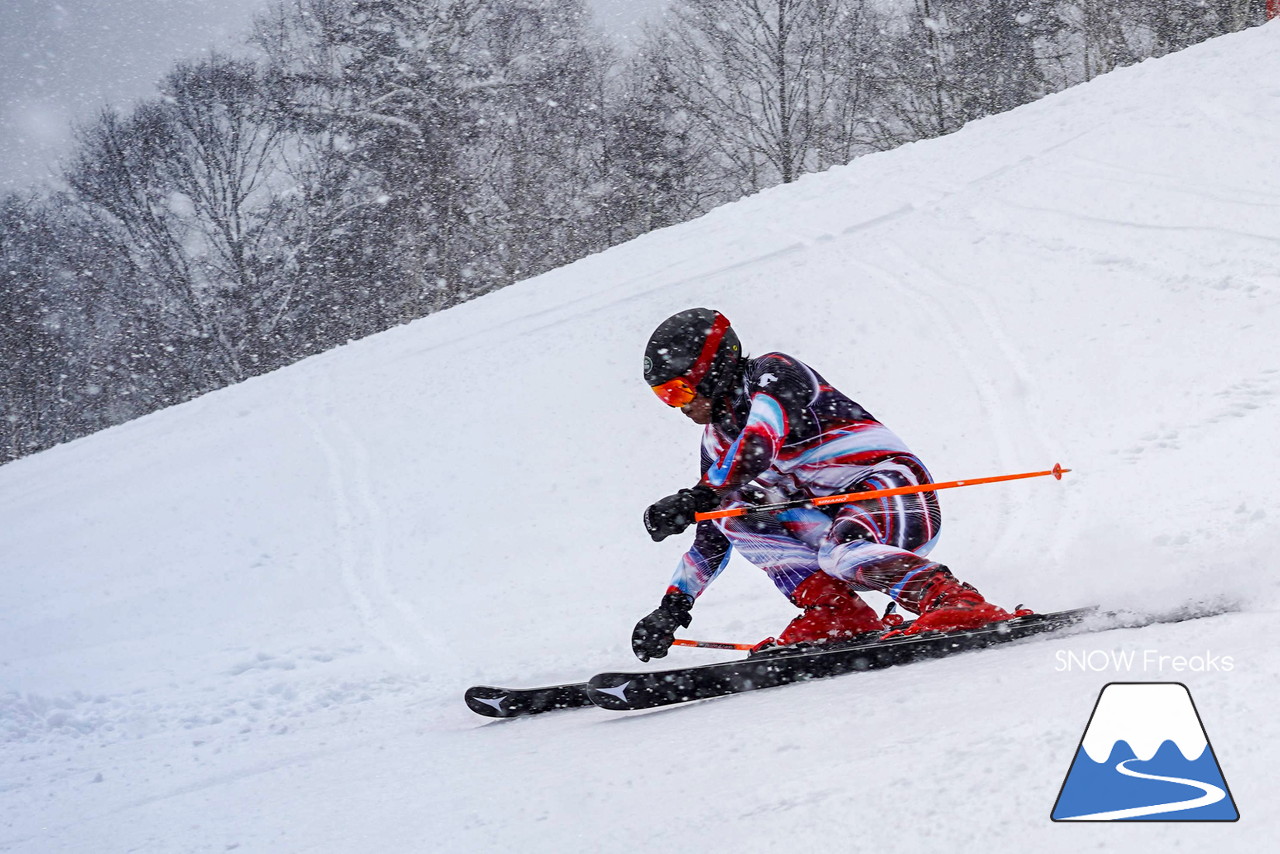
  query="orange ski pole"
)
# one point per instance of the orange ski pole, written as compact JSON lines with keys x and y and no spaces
{"x":710,"y":644}
{"x":1057,"y":471}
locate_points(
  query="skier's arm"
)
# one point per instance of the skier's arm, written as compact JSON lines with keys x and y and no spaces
{"x":756,"y":447}
{"x":709,"y":553}
{"x":707,"y":557}
{"x":781,"y":390}
{"x":704,"y":561}
{"x":671,"y":515}
{"x":699,"y":566}
{"x":656,"y":631}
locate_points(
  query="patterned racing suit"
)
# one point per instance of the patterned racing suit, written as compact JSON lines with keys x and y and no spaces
{"x":786,"y":434}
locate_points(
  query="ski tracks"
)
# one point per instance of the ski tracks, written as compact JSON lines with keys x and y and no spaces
{"x":1001,"y":379}
{"x":360,"y":527}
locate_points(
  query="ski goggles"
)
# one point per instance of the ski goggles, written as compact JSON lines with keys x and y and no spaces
{"x":676,"y":392}
{"x":682,"y":390}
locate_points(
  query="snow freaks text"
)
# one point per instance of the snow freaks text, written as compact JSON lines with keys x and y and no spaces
{"x":1144,"y":660}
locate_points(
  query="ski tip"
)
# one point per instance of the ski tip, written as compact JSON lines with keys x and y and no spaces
{"x":490,"y":702}
{"x":609,"y":691}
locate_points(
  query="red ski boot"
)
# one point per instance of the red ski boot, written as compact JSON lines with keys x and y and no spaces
{"x":832,"y":611}
{"x":948,"y":605}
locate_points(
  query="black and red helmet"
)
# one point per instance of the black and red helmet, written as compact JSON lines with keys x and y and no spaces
{"x":690,"y":353}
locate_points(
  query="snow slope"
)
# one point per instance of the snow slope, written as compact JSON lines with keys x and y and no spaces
{"x":246,"y":622}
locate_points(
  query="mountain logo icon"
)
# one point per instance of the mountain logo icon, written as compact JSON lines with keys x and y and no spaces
{"x":1145,"y":756}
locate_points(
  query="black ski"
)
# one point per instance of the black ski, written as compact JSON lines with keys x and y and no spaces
{"x":515,"y":702}
{"x":627,"y":691}
{"x":495,"y":702}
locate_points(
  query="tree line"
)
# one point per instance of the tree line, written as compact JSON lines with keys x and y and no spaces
{"x":362,"y":163}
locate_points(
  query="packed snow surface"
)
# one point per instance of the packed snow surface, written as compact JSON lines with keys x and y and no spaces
{"x":246,"y":623}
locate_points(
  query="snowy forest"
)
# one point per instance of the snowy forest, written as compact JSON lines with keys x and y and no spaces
{"x":362,"y":163}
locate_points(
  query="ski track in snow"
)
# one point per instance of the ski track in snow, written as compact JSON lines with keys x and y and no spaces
{"x":1188,"y":228}
{"x":534,"y":322}
{"x":1021,"y":413}
{"x":1127,"y":175}
{"x":977,"y":370}
{"x":360,"y":527}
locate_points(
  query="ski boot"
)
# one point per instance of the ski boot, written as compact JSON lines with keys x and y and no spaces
{"x":948,"y":605}
{"x":832,"y":611}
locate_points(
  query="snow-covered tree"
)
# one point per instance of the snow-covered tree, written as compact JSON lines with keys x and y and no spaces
{"x":946,"y":62}
{"x":183,"y":186}
{"x":474,"y":126}
{"x":659,"y":166}
{"x":767,"y":83}
{"x":538,"y":156}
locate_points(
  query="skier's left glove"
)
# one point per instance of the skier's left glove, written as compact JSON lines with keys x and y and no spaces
{"x":654,"y":634}
{"x":671,"y":515}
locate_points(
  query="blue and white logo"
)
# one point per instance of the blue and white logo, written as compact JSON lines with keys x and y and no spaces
{"x":1145,"y":757}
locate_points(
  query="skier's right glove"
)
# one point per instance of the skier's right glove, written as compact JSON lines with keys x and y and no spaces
{"x":671,"y":515}
{"x":654,"y":634}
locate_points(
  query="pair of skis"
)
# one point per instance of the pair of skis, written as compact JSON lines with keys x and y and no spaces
{"x":647,"y":690}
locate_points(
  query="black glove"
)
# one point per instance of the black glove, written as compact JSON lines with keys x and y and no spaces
{"x":653,"y":635}
{"x":673,"y":514}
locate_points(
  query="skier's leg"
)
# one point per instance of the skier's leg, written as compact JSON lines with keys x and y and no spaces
{"x":881,"y":545}
{"x":784,"y":545}
{"x":832,"y":611}
{"x":901,"y":575}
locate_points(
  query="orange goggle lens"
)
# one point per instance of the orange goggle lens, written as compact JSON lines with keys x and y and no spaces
{"x":676,"y":392}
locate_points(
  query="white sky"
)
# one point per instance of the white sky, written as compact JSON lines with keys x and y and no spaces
{"x":60,"y":61}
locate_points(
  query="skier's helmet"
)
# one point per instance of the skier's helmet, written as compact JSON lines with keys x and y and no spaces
{"x":690,"y":353}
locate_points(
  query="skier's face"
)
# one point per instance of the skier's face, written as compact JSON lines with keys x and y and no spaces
{"x":698,"y":410}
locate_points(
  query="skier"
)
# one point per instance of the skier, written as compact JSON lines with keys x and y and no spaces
{"x":774,"y":430}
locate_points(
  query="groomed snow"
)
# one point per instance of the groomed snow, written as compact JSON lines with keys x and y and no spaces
{"x":246,"y":623}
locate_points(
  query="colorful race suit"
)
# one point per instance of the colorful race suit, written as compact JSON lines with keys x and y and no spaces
{"x":786,"y":434}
